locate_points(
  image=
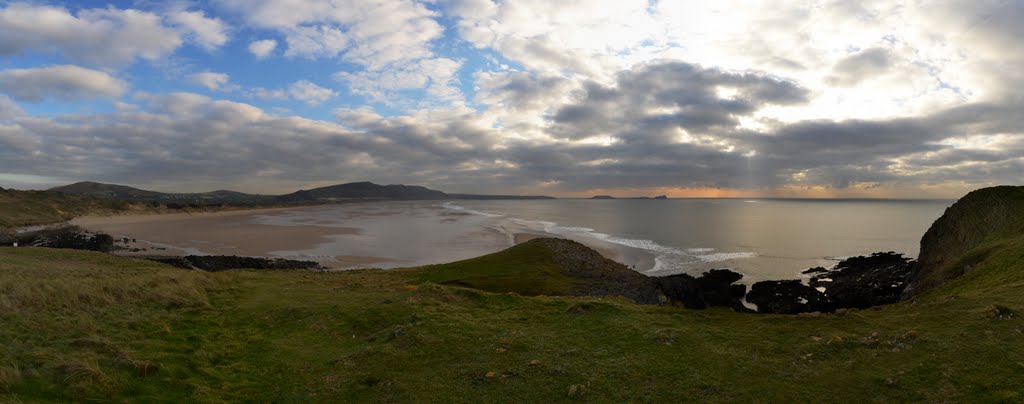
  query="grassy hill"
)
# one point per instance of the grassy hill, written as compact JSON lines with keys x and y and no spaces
{"x":83,"y":326}
{"x":78,"y":326}
{"x":982,"y":222}
{"x":26,"y":208}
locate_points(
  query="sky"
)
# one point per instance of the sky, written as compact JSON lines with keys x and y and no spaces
{"x":897,"y":99}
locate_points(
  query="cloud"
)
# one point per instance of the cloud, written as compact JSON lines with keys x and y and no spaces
{"x":209,"y":33}
{"x":188,"y":141}
{"x":210,"y":80}
{"x":437,"y":77}
{"x":262,"y":48}
{"x":370,"y":34}
{"x":861,"y":65}
{"x":102,"y":36}
{"x":9,"y":109}
{"x":310,"y":93}
{"x":658,"y":100}
{"x":62,"y":82}
{"x":568,"y":96}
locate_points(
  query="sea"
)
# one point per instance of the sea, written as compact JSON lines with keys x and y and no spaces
{"x":761,"y":238}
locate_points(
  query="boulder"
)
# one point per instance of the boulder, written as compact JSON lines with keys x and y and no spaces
{"x":718,"y":288}
{"x":681,"y":288}
{"x":713,"y":288}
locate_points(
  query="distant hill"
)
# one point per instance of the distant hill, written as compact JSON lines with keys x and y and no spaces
{"x":121,"y":192}
{"x":350,"y":191}
{"x":631,"y":197}
{"x":498,"y":197}
{"x":365,"y":190}
{"x":96,"y":189}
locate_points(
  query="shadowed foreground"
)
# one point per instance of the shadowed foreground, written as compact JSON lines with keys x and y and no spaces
{"x":81,"y":326}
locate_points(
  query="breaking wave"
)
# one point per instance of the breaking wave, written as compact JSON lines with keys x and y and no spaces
{"x":666,"y":259}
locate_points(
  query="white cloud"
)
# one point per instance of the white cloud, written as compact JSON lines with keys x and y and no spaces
{"x":64,"y":82}
{"x":210,"y":80}
{"x":436,"y":76}
{"x":262,"y":48}
{"x":103,"y":36}
{"x":373,"y":34}
{"x":312,"y":94}
{"x":266,"y":94}
{"x":209,"y":33}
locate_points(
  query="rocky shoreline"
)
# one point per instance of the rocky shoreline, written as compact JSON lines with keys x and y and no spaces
{"x":854,"y":283}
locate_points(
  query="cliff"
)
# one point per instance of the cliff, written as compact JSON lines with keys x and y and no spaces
{"x":957,"y":240}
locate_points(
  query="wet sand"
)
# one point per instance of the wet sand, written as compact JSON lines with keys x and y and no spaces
{"x":215,"y":233}
{"x":365,"y":235}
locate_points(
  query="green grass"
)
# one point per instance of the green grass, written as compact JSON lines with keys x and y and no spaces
{"x":527,"y":269}
{"x":80,"y":326}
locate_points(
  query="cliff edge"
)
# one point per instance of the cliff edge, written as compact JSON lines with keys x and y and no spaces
{"x":954,"y":243}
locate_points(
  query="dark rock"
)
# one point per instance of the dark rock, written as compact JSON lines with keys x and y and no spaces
{"x":713,"y":288}
{"x":788,"y":297}
{"x":214,"y":263}
{"x":681,"y":288}
{"x":69,"y":237}
{"x":866,"y":281}
{"x":594,"y":275}
{"x":815,"y":270}
{"x":718,"y":288}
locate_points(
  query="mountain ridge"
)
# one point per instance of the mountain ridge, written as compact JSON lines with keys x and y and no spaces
{"x":361,"y":190}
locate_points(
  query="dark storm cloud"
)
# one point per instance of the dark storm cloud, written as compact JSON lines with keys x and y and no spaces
{"x":679,"y":94}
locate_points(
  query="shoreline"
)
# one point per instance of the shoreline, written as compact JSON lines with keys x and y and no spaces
{"x":348,"y":240}
{"x":337,"y":236}
{"x":233,"y":232}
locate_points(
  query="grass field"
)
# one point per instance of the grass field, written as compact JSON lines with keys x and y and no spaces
{"x":81,"y":326}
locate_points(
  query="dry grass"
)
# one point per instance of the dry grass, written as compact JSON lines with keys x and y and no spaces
{"x":101,"y":282}
{"x":9,"y":376}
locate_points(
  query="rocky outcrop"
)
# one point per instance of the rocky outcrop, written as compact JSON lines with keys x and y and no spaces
{"x":864,"y":281}
{"x":979,"y":216}
{"x":788,"y":297}
{"x":594,"y":275}
{"x":713,"y":288}
{"x":214,"y":263}
{"x":69,"y":237}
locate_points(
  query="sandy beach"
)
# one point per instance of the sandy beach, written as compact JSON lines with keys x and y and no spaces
{"x":226,"y":233}
{"x":379,"y":235}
